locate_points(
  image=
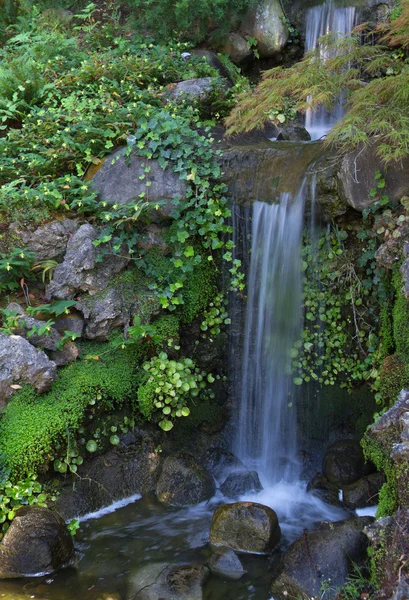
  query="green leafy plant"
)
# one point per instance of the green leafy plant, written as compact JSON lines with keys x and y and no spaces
{"x":14,"y":266}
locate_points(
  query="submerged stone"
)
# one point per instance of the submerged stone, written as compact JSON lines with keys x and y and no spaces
{"x":170,"y":582}
{"x":246,"y":527}
{"x":225,"y":562}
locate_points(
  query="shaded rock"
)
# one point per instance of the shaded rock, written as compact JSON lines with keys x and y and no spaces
{"x":170,"y":582}
{"x":265,"y":23}
{"x":183,"y":481}
{"x":72,"y":322}
{"x":356,"y":178}
{"x":319,"y":557}
{"x":48,"y":241}
{"x":20,"y":363}
{"x":321,"y":487}
{"x":68,"y":354}
{"x":119,"y":182}
{"x":37,"y":541}
{"x":80,"y":270}
{"x":130,"y":468}
{"x":196,"y":88}
{"x":294,"y":132}
{"x":344,"y":463}
{"x":153,"y":237}
{"x":235,"y":45}
{"x":220,"y":462}
{"x":246,"y":527}
{"x":225,"y":562}
{"x":212,"y":59}
{"x":241,"y":482}
{"x":363,"y":492}
{"x":401,"y":591}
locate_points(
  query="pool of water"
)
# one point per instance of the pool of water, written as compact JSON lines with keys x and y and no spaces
{"x":114,"y":547}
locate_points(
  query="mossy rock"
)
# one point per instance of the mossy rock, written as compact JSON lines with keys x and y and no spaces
{"x":183,"y":481}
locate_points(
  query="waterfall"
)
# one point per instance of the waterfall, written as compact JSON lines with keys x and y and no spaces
{"x":266,"y":430}
{"x":321,"y":20}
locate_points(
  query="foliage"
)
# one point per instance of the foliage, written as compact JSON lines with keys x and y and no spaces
{"x":374,"y":79}
{"x":15,"y":495}
{"x":187,"y":19}
{"x":167,"y":388}
{"x":14,"y":266}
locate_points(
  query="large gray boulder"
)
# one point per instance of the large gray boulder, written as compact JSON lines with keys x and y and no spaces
{"x":48,"y":241}
{"x":235,"y":45}
{"x":195,"y":88}
{"x":37,"y":541}
{"x":169,"y":582}
{"x":183,"y":481}
{"x":246,"y":527}
{"x":220,"y":462}
{"x":21,"y":363}
{"x":320,"y":557}
{"x":356,"y":178}
{"x":119,"y":181}
{"x":265,"y":23}
{"x":80,"y":271}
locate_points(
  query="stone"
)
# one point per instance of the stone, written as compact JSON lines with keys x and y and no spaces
{"x":321,"y":487}
{"x":235,"y":45}
{"x":213,"y":60}
{"x":323,"y":556}
{"x":225,"y":562}
{"x":245,"y":527}
{"x":21,"y":363}
{"x":103,"y":313}
{"x":363,"y":492}
{"x":220,"y":462}
{"x":130,"y":468}
{"x":241,"y":482}
{"x":294,"y":132}
{"x":69,"y":353}
{"x":49,"y":241}
{"x":265,"y":23}
{"x":37,"y":541}
{"x":344,"y":463}
{"x":183,"y":481}
{"x":80,"y":271}
{"x":170,"y":582}
{"x":356,"y":178}
{"x":119,"y":182}
{"x":195,"y":88}
{"x":72,"y":322}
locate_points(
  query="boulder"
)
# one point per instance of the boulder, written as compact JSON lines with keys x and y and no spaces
{"x":184,"y":481}
{"x":241,"y":482}
{"x":225,"y":562}
{"x":246,"y":527}
{"x":80,"y":271}
{"x":21,"y":363}
{"x":356,"y":178}
{"x":344,"y":463}
{"x":118,"y":181}
{"x":195,"y":88}
{"x":235,"y":45}
{"x":72,"y":322}
{"x":324,"y":556}
{"x":265,"y":23}
{"x":213,"y":60}
{"x":321,"y":487}
{"x":130,"y":468}
{"x":48,"y":241}
{"x":293,"y":132}
{"x":37,"y":541}
{"x":220,"y":462}
{"x":170,"y":582}
{"x":363,"y":492}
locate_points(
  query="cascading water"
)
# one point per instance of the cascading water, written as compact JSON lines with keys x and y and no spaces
{"x":266,"y":429}
{"x":321,"y":20}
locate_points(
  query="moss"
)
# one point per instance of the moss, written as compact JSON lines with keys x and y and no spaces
{"x":400,"y":317}
{"x":379,"y":454}
{"x":198,"y":290}
{"x":32,"y":424}
{"x":394,"y":376}
{"x":167,"y":329}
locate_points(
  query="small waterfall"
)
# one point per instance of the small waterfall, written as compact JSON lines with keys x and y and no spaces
{"x":266,"y":432}
{"x":321,"y":20}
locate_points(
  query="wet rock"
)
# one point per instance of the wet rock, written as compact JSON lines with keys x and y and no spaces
{"x":356,"y":178}
{"x":130,"y":468}
{"x":80,"y":271}
{"x":236,"y":47}
{"x":37,"y":541}
{"x":48,"y":241}
{"x":170,"y":582}
{"x":265,"y":23}
{"x":363,"y":492}
{"x":119,"y":182}
{"x":294,"y":132}
{"x":321,"y":556}
{"x":241,"y":482}
{"x":221,"y":462}
{"x":225,"y":562}
{"x":344,"y":463}
{"x":246,"y":527}
{"x":183,"y":481}
{"x":321,"y":487}
{"x":21,"y":363}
